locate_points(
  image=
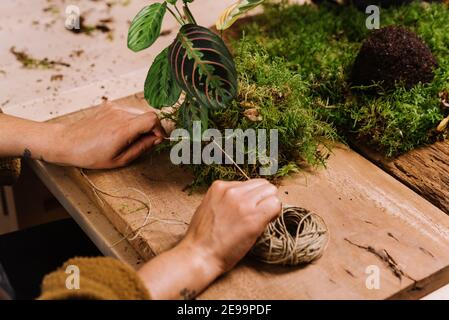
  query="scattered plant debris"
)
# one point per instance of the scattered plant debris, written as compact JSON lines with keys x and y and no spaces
{"x":386,"y":258}
{"x":29,"y":62}
{"x":103,"y":26}
{"x":51,"y":9}
{"x":165,"y":33}
{"x":57,"y":77}
{"x":76,"y":53}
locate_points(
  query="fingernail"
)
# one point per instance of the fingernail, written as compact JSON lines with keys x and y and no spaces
{"x":158,"y":141}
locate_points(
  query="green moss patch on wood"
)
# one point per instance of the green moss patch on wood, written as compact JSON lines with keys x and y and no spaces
{"x":319,"y":45}
{"x":294,"y":65}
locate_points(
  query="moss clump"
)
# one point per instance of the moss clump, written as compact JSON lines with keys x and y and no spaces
{"x":294,"y":64}
{"x":271,"y":96}
{"x":319,"y":45}
{"x":390,"y":55}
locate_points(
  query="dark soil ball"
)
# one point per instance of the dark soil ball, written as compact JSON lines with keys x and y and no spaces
{"x":393,"y":54}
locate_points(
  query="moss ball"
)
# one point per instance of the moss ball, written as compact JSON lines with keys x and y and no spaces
{"x":393,"y":54}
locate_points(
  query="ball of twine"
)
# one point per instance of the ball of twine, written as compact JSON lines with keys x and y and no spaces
{"x":298,"y":236}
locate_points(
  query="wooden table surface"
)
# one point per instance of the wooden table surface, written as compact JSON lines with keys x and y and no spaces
{"x":106,"y":68}
{"x":363,"y":206}
{"x":100,"y":230}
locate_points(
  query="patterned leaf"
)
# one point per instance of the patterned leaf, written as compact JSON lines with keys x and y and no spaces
{"x":190,"y":111}
{"x":203,"y":66}
{"x":160,"y":88}
{"x":235,"y":11}
{"x":146,"y":26}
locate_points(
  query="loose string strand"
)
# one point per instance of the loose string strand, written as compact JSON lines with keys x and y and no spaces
{"x":146,"y":205}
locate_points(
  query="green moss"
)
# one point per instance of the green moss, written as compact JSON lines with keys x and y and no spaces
{"x":283,"y":101}
{"x":319,"y":46}
{"x":293,"y":63}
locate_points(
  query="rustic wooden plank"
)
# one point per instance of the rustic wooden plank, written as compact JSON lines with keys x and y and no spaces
{"x":425,"y":170}
{"x":366,"y":210}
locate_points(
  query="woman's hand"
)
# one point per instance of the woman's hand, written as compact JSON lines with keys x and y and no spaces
{"x":225,"y":226}
{"x":230,"y":219}
{"x":108,"y":138}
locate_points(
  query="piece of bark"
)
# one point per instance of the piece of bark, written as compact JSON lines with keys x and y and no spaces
{"x":425,"y":170}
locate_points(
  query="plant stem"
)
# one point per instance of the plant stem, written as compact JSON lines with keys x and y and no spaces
{"x":189,"y":13}
{"x":175,"y":16}
{"x":180,"y":14}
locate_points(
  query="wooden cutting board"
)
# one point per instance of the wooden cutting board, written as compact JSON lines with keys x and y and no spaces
{"x":375,"y":222}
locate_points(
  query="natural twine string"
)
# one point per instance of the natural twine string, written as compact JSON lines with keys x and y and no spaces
{"x":133,"y":234}
{"x":296,"y":237}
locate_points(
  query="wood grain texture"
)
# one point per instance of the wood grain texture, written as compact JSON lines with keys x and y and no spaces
{"x":374,"y":220}
{"x":425,"y":170}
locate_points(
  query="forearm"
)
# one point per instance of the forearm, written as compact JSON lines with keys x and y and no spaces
{"x":20,"y":137}
{"x":180,"y":273}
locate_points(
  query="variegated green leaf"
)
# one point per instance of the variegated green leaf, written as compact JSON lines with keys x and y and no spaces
{"x":234,"y":12}
{"x":203,"y":66}
{"x":146,"y":26}
{"x":160,"y":88}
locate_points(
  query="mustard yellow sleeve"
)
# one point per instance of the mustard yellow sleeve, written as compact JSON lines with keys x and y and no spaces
{"x":9,"y":171}
{"x":99,"y":279}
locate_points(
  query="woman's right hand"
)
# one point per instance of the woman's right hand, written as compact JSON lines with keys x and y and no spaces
{"x":231,"y":218}
{"x":223,"y":229}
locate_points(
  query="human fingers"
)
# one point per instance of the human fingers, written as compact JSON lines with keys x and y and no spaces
{"x":218,"y":188}
{"x":269,"y":208}
{"x":256,"y":195}
{"x":137,"y":148}
{"x":145,"y":123}
{"x":243,"y":187}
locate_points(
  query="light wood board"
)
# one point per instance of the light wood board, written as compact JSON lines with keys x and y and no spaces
{"x":367,"y":211}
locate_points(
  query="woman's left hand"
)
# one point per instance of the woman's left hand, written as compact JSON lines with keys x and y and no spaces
{"x":109,"y":138}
